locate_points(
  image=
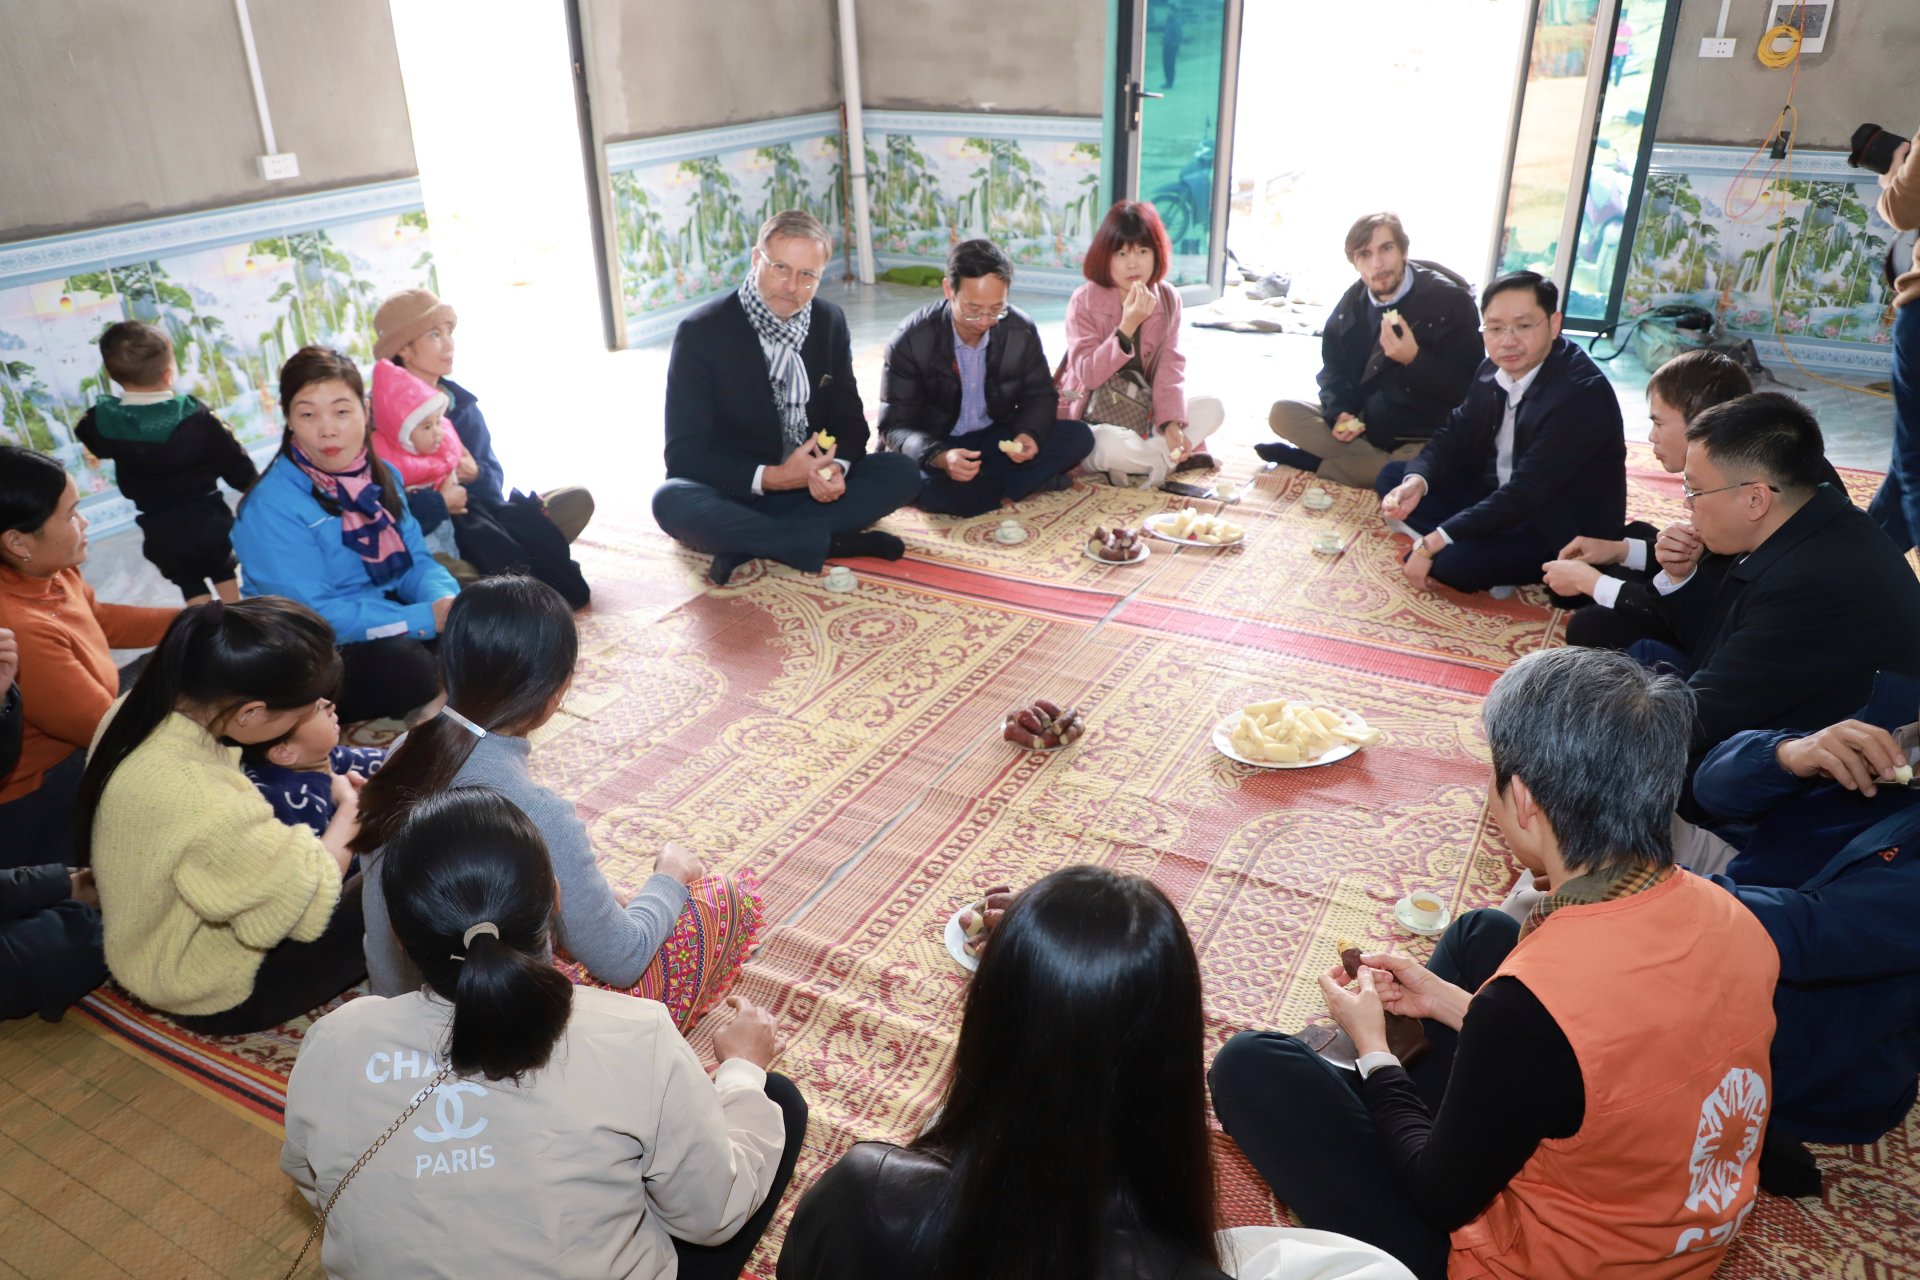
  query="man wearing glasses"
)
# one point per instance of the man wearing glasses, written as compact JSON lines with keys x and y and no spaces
{"x":1535,"y":457}
{"x":969,"y":397}
{"x":755,"y":378}
{"x":1801,"y":603}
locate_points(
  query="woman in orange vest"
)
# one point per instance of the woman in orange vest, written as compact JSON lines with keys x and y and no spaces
{"x":1597,"y":1086}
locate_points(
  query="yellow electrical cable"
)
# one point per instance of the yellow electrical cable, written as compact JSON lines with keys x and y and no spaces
{"x":1773,"y":287}
{"x":1776,"y":58}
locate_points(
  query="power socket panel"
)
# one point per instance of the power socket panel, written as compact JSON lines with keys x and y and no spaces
{"x":284,"y":164}
{"x":1717,"y":47}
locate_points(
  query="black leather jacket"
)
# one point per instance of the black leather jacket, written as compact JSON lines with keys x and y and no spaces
{"x":920,"y":383}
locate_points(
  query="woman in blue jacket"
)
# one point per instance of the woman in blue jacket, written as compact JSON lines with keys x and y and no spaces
{"x":328,"y":525}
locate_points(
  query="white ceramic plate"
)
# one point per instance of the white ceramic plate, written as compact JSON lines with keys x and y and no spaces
{"x":957,"y":943}
{"x":1145,"y":551}
{"x":1152,"y":525}
{"x":1223,"y":743}
{"x":1403,"y":915}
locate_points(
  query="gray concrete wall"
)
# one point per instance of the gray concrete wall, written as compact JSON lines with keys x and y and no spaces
{"x":1018,"y":56}
{"x":1865,"y":73}
{"x":675,"y":66}
{"x":112,"y":110}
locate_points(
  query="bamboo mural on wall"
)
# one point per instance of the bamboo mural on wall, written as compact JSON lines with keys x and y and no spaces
{"x":686,"y":207}
{"x":1806,"y":251}
{"x":235,"y":310}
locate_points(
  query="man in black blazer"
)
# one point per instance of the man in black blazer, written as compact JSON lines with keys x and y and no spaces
{"x":754,"y":379}
{"x":1536,"y":456}
{"x":1803,"y":603}
{"x":969,"y":397}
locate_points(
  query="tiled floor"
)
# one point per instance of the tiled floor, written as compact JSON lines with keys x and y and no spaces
{"x":603,"y":424}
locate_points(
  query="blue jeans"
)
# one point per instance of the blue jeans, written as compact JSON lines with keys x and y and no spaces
{"x":1511,"y":557}
{"x":1896,"y":507}
{"x":1000,"y":477}
{"x":788,"y":526}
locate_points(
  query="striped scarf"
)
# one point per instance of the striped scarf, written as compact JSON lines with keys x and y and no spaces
{"x":781,"y":340}
{"x":366,"y":527}
{"x":1596,"y":886}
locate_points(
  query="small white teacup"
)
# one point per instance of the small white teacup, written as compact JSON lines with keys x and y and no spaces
{"x":1425,"y":908}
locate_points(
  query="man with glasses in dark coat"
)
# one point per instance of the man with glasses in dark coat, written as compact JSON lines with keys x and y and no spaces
{"x":969,"y":396}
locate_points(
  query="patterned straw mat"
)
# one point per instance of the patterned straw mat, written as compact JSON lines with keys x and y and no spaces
{"x":846,"y":749}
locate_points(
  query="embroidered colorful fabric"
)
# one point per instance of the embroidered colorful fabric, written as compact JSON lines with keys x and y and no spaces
{"x":703,"y":954}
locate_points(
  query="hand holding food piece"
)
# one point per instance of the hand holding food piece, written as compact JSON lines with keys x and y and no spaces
{"x":825,"y":441}
{"x":1397,"y":342}
{"x":1403,"y":498}
{"x":1857,"y":755}
{"x":1348,"y":427}
{"x":1406,"y":1038}
{"x":1570,"y":577}
{"x":1042,"y":725}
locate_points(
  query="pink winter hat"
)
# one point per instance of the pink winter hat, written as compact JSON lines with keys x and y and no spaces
{"x":402,"y":402}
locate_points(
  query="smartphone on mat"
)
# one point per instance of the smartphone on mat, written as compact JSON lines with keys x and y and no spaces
{"x":1186,"y":490}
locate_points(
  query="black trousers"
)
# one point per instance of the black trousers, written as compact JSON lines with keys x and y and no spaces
{"x":49,"y":959}
{"x":38,"y":827}
{"x":725,"y":1261}
{"x":386,"y":678}
{"x":1302,"y":1122}
{"x":297,"y":976}
{"x":1066,"y":446}
{"x":189,"y":542}
{"x":1510,"y":557}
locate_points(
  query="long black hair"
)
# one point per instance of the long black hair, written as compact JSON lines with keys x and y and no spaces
{"x":509,"y":646}
{"x":1078,"y":1105}
{"x":467,"y":857}
{"x":217,"y":655}
{"x":314,"y":364}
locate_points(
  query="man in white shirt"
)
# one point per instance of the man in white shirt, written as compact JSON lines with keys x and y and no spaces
{"x":1535,"y":457}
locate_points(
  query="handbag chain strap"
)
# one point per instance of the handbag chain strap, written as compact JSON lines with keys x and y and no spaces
{"x":361,"y":1163}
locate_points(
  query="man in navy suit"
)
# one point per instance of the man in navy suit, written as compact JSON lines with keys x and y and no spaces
{"x":755,"y":377}
{"x":1535,"y":457}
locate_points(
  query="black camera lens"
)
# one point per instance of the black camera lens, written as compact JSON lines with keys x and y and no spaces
{"x":1873,"y":148}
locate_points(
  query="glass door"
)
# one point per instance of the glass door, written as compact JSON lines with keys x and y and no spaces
{"x":1175,"y":81}
{"x":1587,"y":94}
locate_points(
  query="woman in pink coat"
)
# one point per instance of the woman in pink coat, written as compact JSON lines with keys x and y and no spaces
{"x":1127,"y":315}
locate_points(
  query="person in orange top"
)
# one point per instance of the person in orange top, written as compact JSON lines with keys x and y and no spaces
{"x":1597,"y":1087}
{"x":67,"y":677}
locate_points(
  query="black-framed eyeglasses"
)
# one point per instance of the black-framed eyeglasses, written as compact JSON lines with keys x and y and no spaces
{"x":1689,"y":494}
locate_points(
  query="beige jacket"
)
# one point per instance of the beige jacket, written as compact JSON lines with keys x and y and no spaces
{"x":1900,"y":205}
{"x":543,"y":1178}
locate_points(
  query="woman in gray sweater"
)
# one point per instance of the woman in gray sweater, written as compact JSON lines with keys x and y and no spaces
{"x":507,"y":654}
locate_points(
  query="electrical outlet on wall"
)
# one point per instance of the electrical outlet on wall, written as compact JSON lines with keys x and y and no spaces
{"x":1716,"y":47}
{"x":283,"y":165}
